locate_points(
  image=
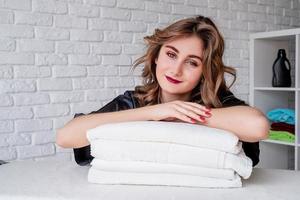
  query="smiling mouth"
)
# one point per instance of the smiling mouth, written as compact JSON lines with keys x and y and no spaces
{"x":172,"y":80}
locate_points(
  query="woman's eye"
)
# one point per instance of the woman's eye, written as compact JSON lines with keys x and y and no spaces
{"x":171,"y":55}
{"x":193,"y":63}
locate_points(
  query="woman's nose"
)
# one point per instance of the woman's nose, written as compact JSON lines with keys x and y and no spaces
{"x":177,"y":68}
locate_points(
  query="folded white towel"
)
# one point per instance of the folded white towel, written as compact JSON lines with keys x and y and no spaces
{"x":150,"y":167}
{"x":166,"y":153}
{"x":168,"y":132}
{"x":113,"y":150}
{"x":165,"y":179}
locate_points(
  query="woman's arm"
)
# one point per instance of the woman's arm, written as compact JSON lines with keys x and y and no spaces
{"x":73,"y":134}
{"x":248,"y":123}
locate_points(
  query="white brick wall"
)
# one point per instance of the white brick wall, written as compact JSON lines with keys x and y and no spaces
{"x":61,"y":57}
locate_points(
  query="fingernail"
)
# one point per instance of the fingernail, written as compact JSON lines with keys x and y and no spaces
{"x":202,"y":118}
{"x":193,"y":121}
{"x":208,"y":113}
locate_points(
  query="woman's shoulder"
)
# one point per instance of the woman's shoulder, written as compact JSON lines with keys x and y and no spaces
{"x":122,"y":102}
{"x":128,"y":94}
{"x":225,"y":94}
{"x":129,"y":98}
{"x":227,"y":98}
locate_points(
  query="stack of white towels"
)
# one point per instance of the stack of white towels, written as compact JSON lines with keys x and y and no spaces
{"x":166,"y":153}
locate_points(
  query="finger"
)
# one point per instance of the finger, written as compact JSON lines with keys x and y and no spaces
{"x":184,"y":118}
{"x":189,"y":113}
{"x":170,"y":119}
{"x":202,"y":107}
{"x":181,"y":116}
{"x":196,"y":109}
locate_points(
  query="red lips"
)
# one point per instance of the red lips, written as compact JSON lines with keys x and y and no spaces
{"x":172,"y":80}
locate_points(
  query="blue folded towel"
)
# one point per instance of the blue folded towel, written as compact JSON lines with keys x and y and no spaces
{"x":282,"y":115}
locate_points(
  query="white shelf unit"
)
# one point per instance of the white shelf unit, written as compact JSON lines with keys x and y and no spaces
{"x":263,"y":52}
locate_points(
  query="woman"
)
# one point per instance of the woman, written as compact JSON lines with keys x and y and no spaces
{"x":183,"y":80}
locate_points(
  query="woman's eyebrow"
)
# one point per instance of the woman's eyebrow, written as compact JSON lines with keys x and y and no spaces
{"x":171,"y":47}
{"x":177,"y":51}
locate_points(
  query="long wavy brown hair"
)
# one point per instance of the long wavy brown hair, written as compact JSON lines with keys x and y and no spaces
{"x":212,"y":79}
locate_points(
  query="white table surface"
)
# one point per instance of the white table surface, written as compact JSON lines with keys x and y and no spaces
{"x":65,"y":180}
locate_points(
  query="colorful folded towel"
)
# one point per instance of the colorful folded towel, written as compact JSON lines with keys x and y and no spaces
{"x":281,"y":126}
{"x":281,"y":136}
{"x":282,"y":115}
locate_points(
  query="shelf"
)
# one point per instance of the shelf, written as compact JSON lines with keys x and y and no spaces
{"x":267,"y":100}
{"x":263,"y":52}
{"x":279,"y":35}
{"x":279,"y":142}
{"x":275,"y":89}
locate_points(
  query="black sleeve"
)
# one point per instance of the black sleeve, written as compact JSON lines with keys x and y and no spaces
{"x":122,"y":102}
{"x":251,"y":149}
{"x":228,"y":99}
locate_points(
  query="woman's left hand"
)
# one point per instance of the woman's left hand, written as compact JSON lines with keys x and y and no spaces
{"x":179,"y":111}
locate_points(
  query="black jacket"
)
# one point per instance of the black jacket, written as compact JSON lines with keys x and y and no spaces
{"x":128,"y":101}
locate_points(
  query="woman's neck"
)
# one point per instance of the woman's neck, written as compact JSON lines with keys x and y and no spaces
{"x":167,"y":97}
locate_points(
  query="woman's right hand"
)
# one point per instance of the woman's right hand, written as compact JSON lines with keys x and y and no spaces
{"x":179,"y":111}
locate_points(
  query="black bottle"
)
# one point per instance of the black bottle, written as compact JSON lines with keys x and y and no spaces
{"x":281,"y":73}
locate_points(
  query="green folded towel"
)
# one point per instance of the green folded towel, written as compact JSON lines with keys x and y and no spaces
{"x":281,"y":136}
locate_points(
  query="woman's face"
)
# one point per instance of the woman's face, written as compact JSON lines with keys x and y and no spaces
{"x":179,"y":67}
